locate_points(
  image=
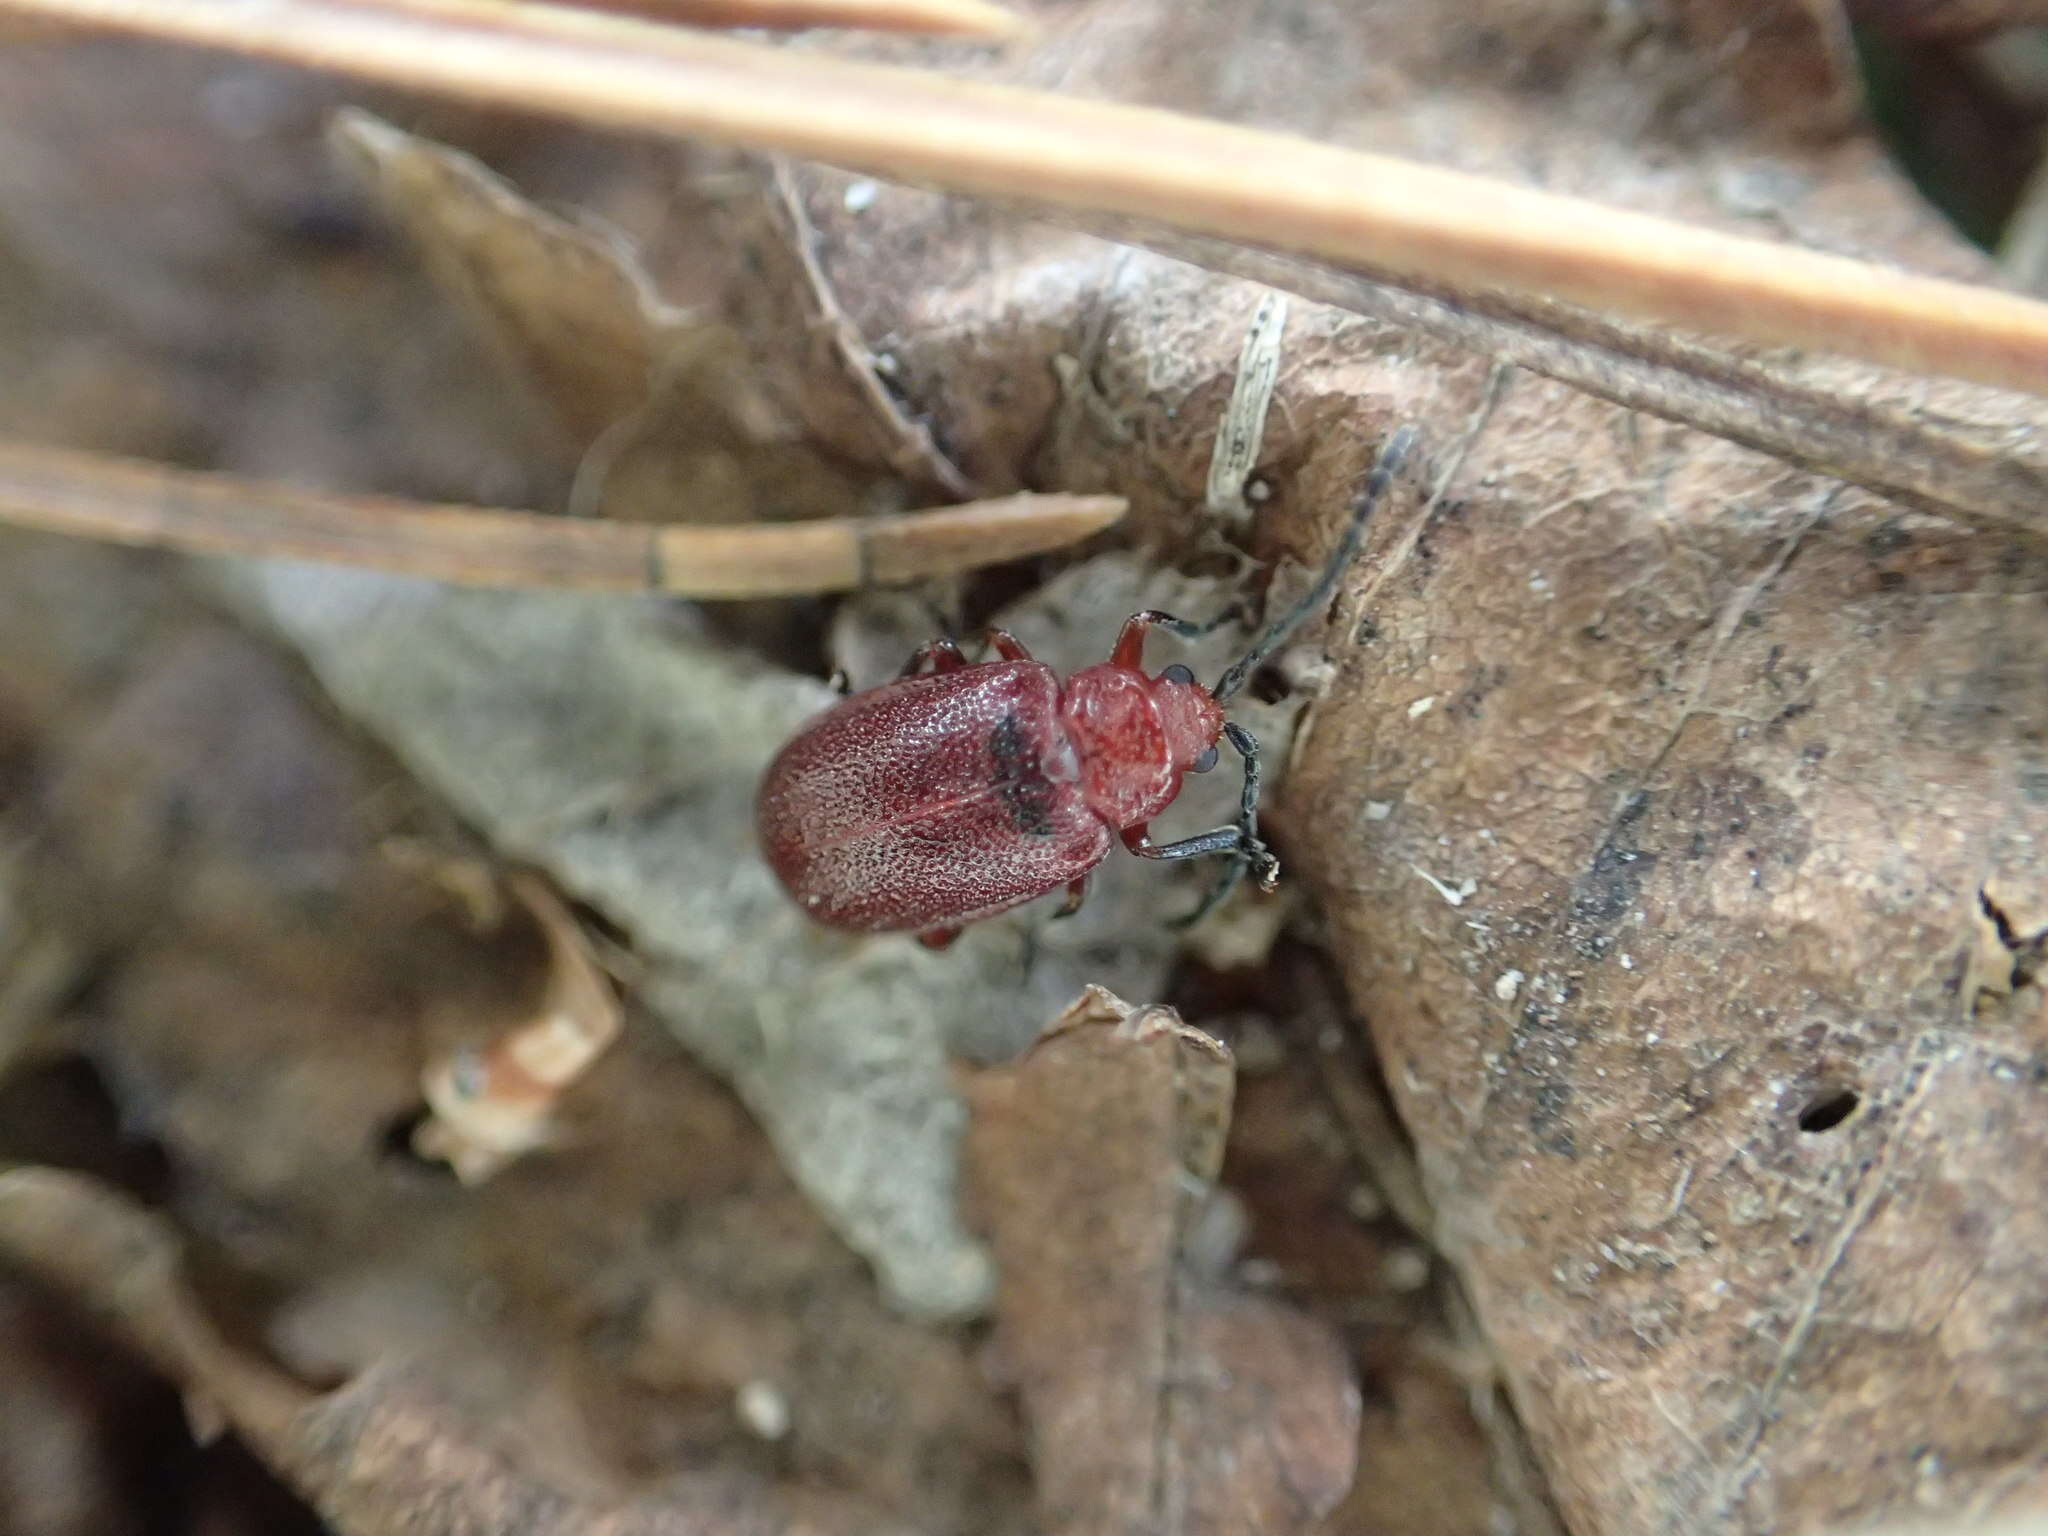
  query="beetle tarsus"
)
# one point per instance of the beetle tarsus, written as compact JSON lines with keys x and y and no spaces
{"x":1265,"y":870}
{"x":1077,"y":892}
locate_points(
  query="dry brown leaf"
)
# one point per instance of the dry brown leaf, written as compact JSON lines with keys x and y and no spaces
{"x":684,"y":417}
{"x":1704,"y":1118}
{"x":1654,"y":788}
{"x":266,"y":987}
{"x":664,"y":403}
{"x":805,"y":347}
{"x":565,"y":304}
{"x":1158,"y":1402}
{"x":385,"y":1455}
{"x":1593,"y":666}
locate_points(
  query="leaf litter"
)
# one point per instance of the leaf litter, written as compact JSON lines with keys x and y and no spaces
{"x":1159,"y":1399}
{"x":1712,"y":1317}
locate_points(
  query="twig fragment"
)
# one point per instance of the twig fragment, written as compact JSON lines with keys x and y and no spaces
{"x":124,"y":1265}
{"x":132,"y":502}
{"x":958,"y":18}
{"x":1243,"y":429}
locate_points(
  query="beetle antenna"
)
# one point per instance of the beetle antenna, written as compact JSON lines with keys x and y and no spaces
{"x":1392,"y":455}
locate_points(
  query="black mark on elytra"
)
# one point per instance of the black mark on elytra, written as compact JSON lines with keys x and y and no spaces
{"x":1019,"y":780}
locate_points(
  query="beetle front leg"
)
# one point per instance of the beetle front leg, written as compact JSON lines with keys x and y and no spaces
{"x":1240,"y":841}
{"x":1258,"y":858}
{"x":1129,"y":650}
{"x":1242,"y":836}
{"x":1252,"y":854}
{"x":940,"y":655}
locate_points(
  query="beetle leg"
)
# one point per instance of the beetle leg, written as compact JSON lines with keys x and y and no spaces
{"x":1006,"y":645}
{"x":1077,"y":892}
{"x":1239,"y":840}
{"x":938,"y":938}
{"x":839,"y":682}
{"x":1241,"y":836}
{"x":1223,"y":840}
{"x":1233,"y":872}
{"x":1129,"y":650}
{"x":1246,"y":745}
{"x":1258,"y":858}
{"x":941,"y":655}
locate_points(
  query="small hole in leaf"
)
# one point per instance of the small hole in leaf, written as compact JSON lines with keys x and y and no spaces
{"x":1828,"y":1109}
{"x":394,"y":1143}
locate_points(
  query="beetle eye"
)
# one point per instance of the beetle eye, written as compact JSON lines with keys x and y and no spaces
{"x":1178,"y":674}
{"x":1203,"y":763}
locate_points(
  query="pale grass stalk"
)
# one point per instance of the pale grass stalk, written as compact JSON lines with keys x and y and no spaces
{"x":958,"y":18}
{"x":128,"y":501}
{"x":1259,"y":188}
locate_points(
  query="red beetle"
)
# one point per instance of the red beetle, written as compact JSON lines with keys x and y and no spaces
{"x":961,"y":790}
